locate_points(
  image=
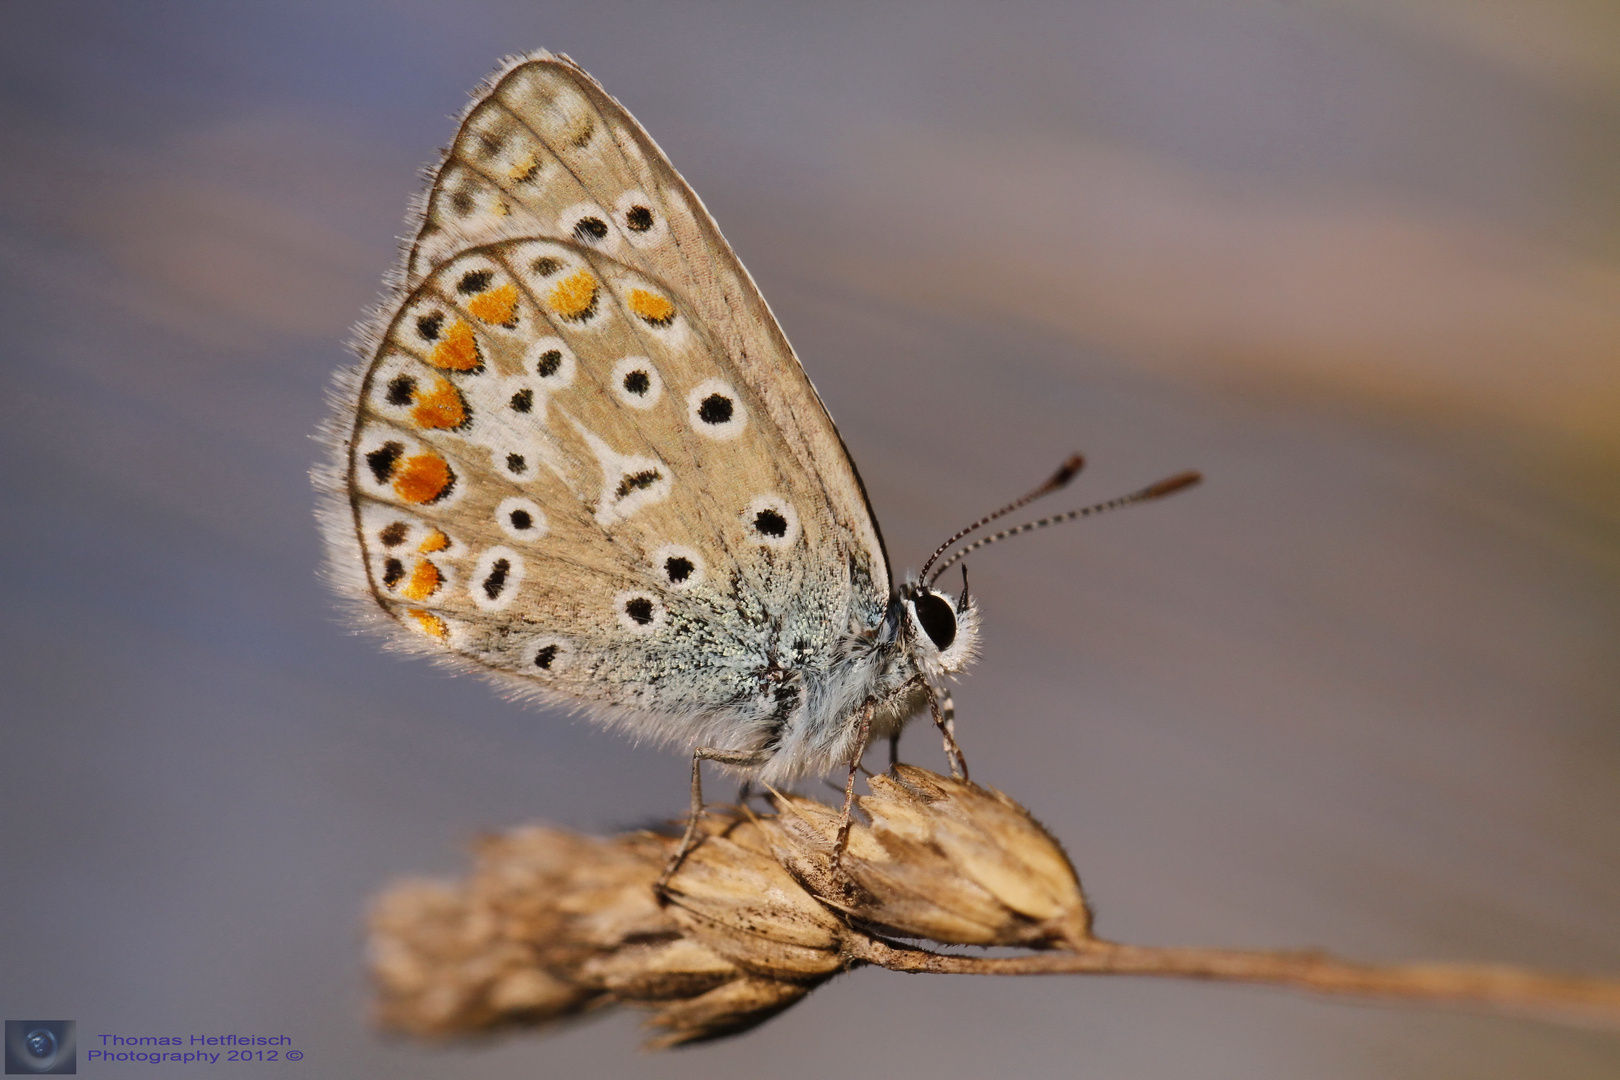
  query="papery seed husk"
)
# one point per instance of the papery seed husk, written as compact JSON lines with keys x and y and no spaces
{"x":727,"y":1010}
{"x":662,"y":971}
{"x":533,"y":993}
{"x":887,"y":883}
{"x":571,"y":895}
{"x":1035,"y":877}
{"x":732,"y":896}
{"x":1003,"y":847}
{"x":941,"y":859}
{"x":441,"y":967}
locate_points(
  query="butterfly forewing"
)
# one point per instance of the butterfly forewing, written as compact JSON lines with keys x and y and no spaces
{"x":582,"y":451}
{"x":546,"y":152}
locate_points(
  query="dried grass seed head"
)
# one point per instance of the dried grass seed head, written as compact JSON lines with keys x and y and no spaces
{"x":941,"y":859}
{"x":733,"y":895}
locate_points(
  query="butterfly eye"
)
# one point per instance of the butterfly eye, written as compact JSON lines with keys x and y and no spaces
{"x":935,"y":616}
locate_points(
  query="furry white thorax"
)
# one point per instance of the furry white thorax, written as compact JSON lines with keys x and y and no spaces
{"x":893,"y":667}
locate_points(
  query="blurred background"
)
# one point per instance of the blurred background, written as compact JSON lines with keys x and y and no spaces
{"x":1357,"y":260}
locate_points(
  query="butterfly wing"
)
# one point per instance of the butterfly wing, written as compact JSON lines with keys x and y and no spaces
{"x":547,"y":152}
{"x":581,"y":452}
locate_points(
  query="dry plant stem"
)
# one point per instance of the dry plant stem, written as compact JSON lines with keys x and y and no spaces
{"x":1508,"y":989}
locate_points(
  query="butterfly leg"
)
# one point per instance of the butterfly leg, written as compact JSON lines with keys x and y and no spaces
{"x":846,"y":820}
{"x":744,"y":758}
{"x":943,"y":710}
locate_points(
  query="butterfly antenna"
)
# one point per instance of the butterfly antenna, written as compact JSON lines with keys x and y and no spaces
{"x":1168,"y":486}
{"x":1067,"y":471}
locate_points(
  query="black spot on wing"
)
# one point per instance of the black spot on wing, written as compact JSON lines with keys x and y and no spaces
{"x":400,"y":389}
{"x":588,"y":230}
{"x":428,"y":326}
{"x":636,"y":481}
{"x":474,"y":281}
{"x":384,"y":459}
{"x":715,"y":409}
{"x":495,"y":582}
{"x":770,"y":523}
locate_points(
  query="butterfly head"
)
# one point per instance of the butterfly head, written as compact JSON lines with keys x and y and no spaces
{"x":942,"y":632}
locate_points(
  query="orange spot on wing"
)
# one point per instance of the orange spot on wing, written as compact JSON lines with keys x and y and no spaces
{"x":524,"y":168}
{"x":651,"y":307}
{"x":574,"y":297}
{"x":457,"y":349}
{"x":497,"y":306}
{"x":440,"y":407}
{"x":434,"y":541}
{"x":431,"y":625}
{"x":423,"y":479}
{"x":424,"y":581}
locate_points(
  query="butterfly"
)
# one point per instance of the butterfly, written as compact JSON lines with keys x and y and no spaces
{"x":580,"y":456}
